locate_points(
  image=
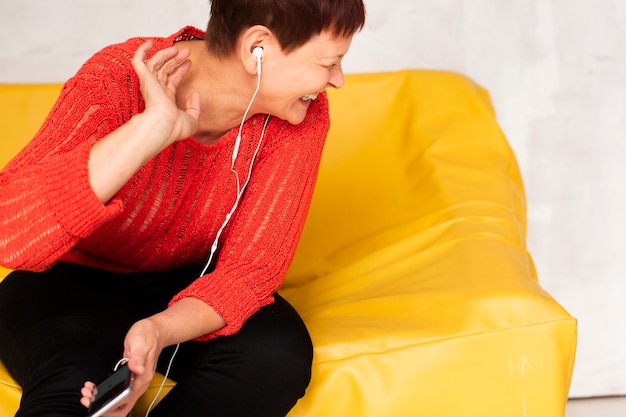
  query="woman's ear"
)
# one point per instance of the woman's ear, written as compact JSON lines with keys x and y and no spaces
{"x":254,"y":37}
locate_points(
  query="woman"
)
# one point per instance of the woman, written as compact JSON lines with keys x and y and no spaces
{"x":160,"y":205}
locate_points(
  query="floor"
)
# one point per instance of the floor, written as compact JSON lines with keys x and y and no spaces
{"x":597,"y":407}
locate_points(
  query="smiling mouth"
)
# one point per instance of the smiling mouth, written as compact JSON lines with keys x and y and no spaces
{"x":309,"y":97}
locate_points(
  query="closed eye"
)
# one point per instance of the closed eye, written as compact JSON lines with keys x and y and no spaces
{"x":331,"y":66}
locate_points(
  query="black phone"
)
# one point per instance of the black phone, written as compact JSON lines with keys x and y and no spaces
{"x":111,"y":391}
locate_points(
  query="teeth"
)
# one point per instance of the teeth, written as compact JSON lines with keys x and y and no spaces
{"x":309,"y":97}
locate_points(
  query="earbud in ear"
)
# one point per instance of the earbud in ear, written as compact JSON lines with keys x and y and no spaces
{"x":258,"y":52}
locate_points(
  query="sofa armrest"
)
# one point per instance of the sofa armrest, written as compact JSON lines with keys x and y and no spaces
{"x":412,"y":273}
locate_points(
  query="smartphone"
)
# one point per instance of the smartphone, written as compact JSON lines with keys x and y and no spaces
{"x":111,"y":391}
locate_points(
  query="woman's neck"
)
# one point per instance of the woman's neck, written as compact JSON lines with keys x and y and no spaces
{"x":221,"y":82}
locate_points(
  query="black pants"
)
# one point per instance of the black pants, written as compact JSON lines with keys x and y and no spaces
{"x":65,"y":326}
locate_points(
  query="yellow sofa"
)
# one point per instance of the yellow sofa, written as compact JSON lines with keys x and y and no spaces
{"x":412,"y":274}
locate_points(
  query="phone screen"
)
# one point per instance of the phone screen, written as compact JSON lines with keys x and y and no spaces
{"x":110,"y":392}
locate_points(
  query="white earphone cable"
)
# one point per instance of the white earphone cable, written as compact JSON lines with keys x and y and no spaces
{"x":245,"y":116}
{"x":240,"y":191}
{"x":232,"y":167}
{"x":167,"y":372}
{"x":234,"y":207}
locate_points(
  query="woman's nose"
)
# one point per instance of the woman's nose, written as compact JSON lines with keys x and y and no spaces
{"x":336,"y":79}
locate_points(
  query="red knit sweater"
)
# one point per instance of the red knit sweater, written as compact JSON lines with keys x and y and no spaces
{"x":168,"y":214}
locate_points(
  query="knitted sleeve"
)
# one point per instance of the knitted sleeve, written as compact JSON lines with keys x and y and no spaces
{"x":261,"y":239}
{"x":46,"y":201}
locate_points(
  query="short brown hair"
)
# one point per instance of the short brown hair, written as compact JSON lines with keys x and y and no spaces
{"x":293,"y":22}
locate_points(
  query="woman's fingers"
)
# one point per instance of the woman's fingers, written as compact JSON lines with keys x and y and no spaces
{"x":166,"y":59}
{"x":168,"y":65}
{"x":88,"y":392}
{"x":193,"y":106}
{"x":176,"y":69}
{"x":139,"y":59}
{"x":120,"y":411}
{"x":169,"y":60}
{"x":159,"y":77}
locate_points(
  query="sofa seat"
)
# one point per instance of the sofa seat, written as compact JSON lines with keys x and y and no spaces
{"x":412,"y":274}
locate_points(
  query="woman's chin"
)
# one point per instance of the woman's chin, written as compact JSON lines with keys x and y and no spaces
{"x":297,"y":112}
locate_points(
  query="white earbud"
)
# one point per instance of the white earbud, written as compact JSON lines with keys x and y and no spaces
{"x":258,"y":53}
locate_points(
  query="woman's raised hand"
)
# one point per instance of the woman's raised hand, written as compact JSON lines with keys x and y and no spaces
{"x":159,"y":78}
{"x":115,"y":158}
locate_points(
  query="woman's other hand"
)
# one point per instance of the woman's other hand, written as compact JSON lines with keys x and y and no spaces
{"x":88,"y":393}
{"x":142,"y":348}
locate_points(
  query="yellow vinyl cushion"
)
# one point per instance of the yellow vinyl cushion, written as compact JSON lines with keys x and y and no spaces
{"x":412,"y":273}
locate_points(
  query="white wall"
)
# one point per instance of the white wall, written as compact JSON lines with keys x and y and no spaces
{"x":556,"y":70}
